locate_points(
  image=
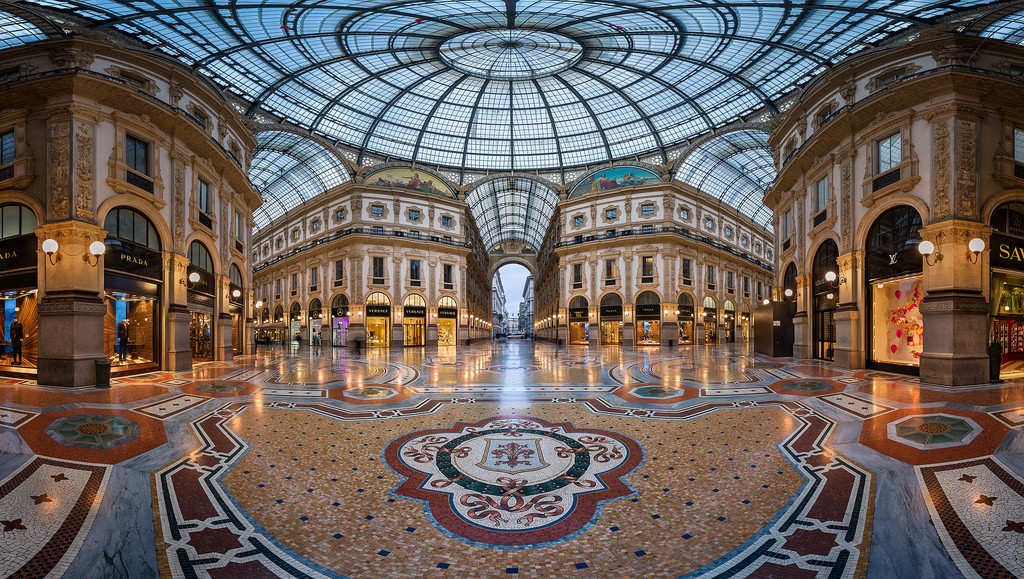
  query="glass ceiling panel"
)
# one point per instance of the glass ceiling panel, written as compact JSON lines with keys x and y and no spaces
{"x":548,"y":84}
{"x":512,"y":208}
{"x":288,"y":170}
{"x":1009,"y":28}
{"x":736,"y":168}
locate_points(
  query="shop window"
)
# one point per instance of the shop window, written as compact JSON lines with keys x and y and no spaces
{"x":7,"y":155}
{"x":889,"y":153}
{"x":414,"y":273}
{"x":447,"y":321}
{"x":377,"y":275}
{"x":136,"y":157}
{"x":448,"y":277}
{"x":577,"y":276}
{"x":710,"y":277}
{"x":687,"y":272}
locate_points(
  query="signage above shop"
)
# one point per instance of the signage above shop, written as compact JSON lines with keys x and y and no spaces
{"x":448,"y":313}
{"x":378,"y":311}
{"x":204,"y":285}
{"x":578,"y":314}
{"x":1007,"y":252}
{"x":648,"y":312}
{"x":133,"y":259}
{"x":611,"y":311}
{"x":18,"y":252}
{"x":414,"y":311}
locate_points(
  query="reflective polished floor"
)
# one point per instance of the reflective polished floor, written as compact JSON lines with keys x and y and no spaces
{"x":512,"y":458}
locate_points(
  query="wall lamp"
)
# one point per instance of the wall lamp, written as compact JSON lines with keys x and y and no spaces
{"x":193,"y":279}
{"x":258,"y":304}
{"x":833,"y":279}
{"x":976,"y":246}
{"x":236,"y":294}
{"x":788,"y":293}
{"x":927,"y":249}
{"x":766,"y":301}
{"x":52,"y":250}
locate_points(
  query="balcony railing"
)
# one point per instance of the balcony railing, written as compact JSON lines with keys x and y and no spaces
{"x":140,"y":181}
{"x":672,"y":231}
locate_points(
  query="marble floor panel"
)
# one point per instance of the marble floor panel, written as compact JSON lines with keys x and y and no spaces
{"x":512,"y":459}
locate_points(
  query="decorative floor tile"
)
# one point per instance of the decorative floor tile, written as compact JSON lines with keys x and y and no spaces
{"x":171,"y":407}
{"x":857,"y":406}
{"x":15,"y":418}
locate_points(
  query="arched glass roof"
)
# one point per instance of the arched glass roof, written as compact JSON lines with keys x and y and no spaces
{"x":1009,"y":28}
{"x":512,"y":208}
{"x":290,"y":169}
{"x":506,"y":84}
{"x":18,"y":31}
{"x":736,"y":167}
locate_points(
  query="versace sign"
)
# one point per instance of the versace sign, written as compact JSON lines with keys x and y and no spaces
{"x":415,"y":311}
{"x":378,"y":311}
{"x":448,"y":313}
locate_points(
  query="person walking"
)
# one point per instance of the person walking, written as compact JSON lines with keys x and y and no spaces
{"x":17,"y":335}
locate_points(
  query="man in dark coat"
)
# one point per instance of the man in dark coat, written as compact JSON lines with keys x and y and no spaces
{"x":17,"y":335}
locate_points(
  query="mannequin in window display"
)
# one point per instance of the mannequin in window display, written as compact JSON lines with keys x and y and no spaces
{"x":122,"y":340}
{"x":17,"y":335}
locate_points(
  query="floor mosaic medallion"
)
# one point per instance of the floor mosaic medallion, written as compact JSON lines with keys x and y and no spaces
{"x":513,"y":481}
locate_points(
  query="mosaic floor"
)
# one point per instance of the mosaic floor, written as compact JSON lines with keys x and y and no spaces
{"x":512,"y":459}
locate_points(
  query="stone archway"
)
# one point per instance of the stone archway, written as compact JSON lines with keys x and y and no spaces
{"x":499,"y":261}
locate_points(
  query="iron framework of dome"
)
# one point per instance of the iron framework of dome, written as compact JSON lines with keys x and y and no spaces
{"x":494,"y":85}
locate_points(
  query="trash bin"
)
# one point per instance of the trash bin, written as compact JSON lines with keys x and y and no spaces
{"x":103,"y":373}
{"x":671,"y":343}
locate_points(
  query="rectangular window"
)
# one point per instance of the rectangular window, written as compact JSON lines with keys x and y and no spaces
{"x":1018,"y":145}
{"x":266,"y":293}
{"x":647,"y":209}
{"x":414,"y":272}
{"x":377,"y":230}
{"x":889,"y":152}
{"x":687,"y":272}
{"x":277,"y":289}
{"x":204,"y":196}
{"x":711,"y":277}
{"x":377,"y":210}
{"x":414,"y":215}
{"x":577,"y":275}
{"x":730,"y":282}
{"x":446,"y":221}
{"x":609,"y":233}
{"x":314,"y":276}
{"x":7,"y":148}
{"x":136,"y":155}
{"x":609,"y":272}
{"x":339,"y":269}
{"x":295,"y":283}
{"x":821,"y":194}
{"x":577,"y":221}
{"x":647,"y":266}
{"x":378,"y":270}
{"x":746,"y":287}
{"x":611,"y":214}
{"x":760,"y":291}
{"x":647,"y":229}
{"x":448,"y":276}
{"x":786,"y":218}
{"x":238,"y":225}
{"x":133,"y":80}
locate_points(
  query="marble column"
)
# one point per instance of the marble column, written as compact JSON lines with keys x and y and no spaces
{"x":177,"y":351}
{"x":850,"y":338}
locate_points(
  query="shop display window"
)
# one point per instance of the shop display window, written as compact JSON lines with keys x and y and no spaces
{"x":447,"y":332}
{"x":130,"y":329}
{"x":897,"y":326}
{"x":611,"y":333}
{"x":579,"y":333}
{"x":201,"y":335}
{"x":378,"y":332}
{"x":20,"y":306}
{"x":648,"y":333}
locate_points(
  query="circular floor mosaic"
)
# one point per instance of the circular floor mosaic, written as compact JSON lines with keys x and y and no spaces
{"x":513,"y":481}
{"x":93,"y":431}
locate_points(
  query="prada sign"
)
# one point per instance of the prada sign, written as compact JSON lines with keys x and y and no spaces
{"x":134,"y":259}
{"x":378,"y":311}
{"x":1007,"y":252}
{"x":648,"y":312}
{"x":448,"y":313}
{"x":578,"y":314}
{"x":18,"y":252}
{"x":414,"y":311}
{"x":611,"y":312}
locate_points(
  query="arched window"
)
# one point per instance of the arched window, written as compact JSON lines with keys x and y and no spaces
{"x":378,"y":299}
{"x":339,"y":306}
{"x":789,"y":281}
{"x":296,"y":311}
{"x":279,"y":314}
{"x":16,"y":220}
{"x":315,"y":308}
{"x":447,"y":302}
{"x":578,"y":302}
{"x":685,"y":301}
{"x":414,"y":300}
{"x":824,"y":262}
{"x":200,"y":257}
{"x":709,"y":302}
{"x":611,"y":300}
{"x":235,"y":275}
{"x":127,"y":224}
{"x":892,"y":242}
{"x":265,"y":318}
{"x":647,"y":299}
